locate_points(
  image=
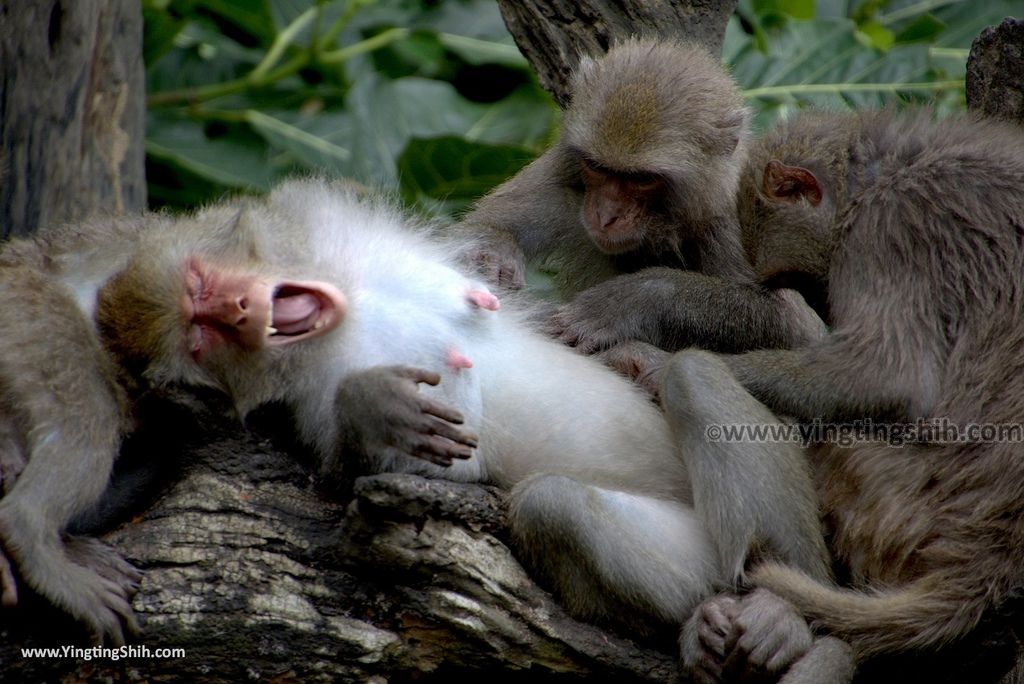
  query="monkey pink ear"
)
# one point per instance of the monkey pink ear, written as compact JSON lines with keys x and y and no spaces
{"x":783,"y":183}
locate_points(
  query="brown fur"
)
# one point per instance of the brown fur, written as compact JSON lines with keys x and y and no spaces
{"x":662,"y":129}
{"x":65,"y":413}
{"x":919,"y":242}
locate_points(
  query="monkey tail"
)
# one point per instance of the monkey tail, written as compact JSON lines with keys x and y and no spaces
{"x":925,"y":614}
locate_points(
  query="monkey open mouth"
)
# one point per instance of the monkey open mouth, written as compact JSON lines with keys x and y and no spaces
{"x":302,"y":310}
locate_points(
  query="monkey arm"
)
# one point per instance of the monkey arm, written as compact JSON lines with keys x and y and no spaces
{"x":520,"y":220}
{"x":672,"y":309}
{"x":825,"y":381}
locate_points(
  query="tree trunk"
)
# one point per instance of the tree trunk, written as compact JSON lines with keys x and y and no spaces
{"x":552,"y":34}
{"x":71,"y":111}
{"x":995,"y":71}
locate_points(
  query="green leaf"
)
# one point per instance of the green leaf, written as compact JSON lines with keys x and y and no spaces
{"x":798,"y":9}
{"x":251,"y":16}
{"x":310,"y":150}
{"x":821,"y":63}
{"x":454,"y":171}
{"x":231,"y":160}
{"x":877,"y":35}
{"x":924,"y":28}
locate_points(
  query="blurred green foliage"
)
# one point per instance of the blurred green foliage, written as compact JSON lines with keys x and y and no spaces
{"x":431,"y":97}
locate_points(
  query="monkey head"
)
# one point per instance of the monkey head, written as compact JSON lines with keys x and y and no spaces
{"x":789,"y":228}
{"x":204,"y":307}
{"x":649,"y":123}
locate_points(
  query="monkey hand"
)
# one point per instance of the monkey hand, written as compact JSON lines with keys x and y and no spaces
{"x":498,"y":259}
{"x":767,"y":636}
{"x":604,"y":315}
{"x":642,"y":363}
{"x":703,"y":640}
{"x":803,"y":324}
{"x":384,"y":412}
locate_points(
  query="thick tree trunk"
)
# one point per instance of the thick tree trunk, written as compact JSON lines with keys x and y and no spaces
{"x":71,"y":111}
{"x":995,"y":71}
{"x":552,"y":34}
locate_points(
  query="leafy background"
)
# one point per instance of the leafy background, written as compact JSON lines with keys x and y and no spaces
{"x":431,"y":98}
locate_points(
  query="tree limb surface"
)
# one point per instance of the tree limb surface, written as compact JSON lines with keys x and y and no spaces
{"x":260,"y":577}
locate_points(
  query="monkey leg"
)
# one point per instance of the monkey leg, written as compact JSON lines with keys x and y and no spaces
{"x":751,"y":489}
{"x":610,"y":554}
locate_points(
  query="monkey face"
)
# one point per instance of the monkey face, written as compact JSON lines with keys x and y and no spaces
{"x":617,"y":207}
{"x":231,"y":307}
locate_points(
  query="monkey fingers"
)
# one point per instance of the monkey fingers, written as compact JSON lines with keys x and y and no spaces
{"x":107,"y":563}
{"x":569,"y":328}
{"x":642,"y":363}
{"x":418,"y":375}
{"x":116,"y":615}
{"x":440,"y":450}
{"x":767,"y":638}
{"x":501,"y":264}
{"x":703,"y":639}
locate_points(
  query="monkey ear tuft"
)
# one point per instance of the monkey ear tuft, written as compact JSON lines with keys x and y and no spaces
{"x":783,"y":183}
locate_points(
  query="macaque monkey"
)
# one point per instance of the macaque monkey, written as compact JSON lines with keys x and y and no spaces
{"x":636,"y":204}
{"x":63,"y":412}
{"x":393,"y":360}
{"x":915,"y":230}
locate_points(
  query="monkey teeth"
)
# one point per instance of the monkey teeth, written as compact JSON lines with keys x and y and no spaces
{"x":319,"y":324}
{"x":271,"y":330}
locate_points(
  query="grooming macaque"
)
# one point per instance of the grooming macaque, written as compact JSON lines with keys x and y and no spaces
{"x":915,"y":229}
{"x":636,"y":205}
{"x":394,"y":361}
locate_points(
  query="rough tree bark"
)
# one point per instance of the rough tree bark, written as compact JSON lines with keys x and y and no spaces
{"x":552,"y":34}
{"x":72,"y":111}
{"x":995,"y":71}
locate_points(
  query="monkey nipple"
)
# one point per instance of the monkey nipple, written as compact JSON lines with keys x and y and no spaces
{"x":456,"y":360}
{"x":482,"y":299}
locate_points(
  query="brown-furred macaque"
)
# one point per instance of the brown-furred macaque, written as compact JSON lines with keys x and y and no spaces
{"x":915,"y":230}
{"x":394,"y":360}
{"x":63,"y":412}
{"x":636,"y":204}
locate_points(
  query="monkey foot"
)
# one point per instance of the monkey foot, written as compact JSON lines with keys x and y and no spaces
{"x":104,"y":561}
{"x":482,"y":299}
